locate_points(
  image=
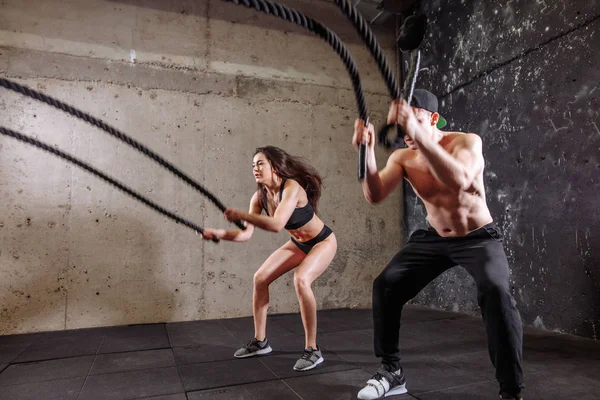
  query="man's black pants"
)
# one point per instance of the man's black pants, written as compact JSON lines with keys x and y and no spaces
{"x":427,"y":255}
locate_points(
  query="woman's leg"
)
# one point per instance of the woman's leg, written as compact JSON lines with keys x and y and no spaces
{"x":315,"y":263}
{"x":281,"y":261}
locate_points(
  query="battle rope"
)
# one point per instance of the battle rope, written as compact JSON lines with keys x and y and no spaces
{"x":291,"y":15}
{"x":364,"y":30}
{"x":79,"y":163}
{"x":114,"y":132}
{"x":264,"y":6}
{"x":413,"y":32}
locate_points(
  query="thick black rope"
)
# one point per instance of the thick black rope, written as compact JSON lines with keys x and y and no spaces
{"x":364,"y":30}
{"x":298,"y":18}
{"x":264,"y":6}
{"x":320,"y":30}
{"x":116,"y":133}
{"x":79,"y":163}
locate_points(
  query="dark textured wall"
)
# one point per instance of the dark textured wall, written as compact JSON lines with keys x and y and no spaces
{"x":525,"y":76}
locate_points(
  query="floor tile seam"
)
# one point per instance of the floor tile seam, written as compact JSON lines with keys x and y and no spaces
{"x":455,"y":387}
{"x":90,"y":369}
{"x":234,"y":385}
{"x":174,"y":357}
{"x":24,"y":350}
{"x":273,"y":379}
{"x":52,"y":359}
{"x":324,"y":373}
{"x":280,"y":378}
{"x":155,"y":396}
{"x":43,"y":380}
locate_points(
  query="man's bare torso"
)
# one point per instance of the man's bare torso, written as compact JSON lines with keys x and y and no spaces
{"x":449,"y":212}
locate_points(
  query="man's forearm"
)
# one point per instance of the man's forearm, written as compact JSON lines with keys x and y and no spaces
{"x":372,"y":187}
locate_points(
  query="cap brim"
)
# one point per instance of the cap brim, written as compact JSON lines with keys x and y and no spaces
{"x":441,"y":122}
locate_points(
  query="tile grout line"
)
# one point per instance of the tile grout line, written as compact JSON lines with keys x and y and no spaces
{"x":86,"y":355}
{"x":175,"y":359}
{"x":81,"y":376}
{"x":89,"y":370}
{"x":458,"y":387}
{"x":280,"y":378}
{"x":230,"y":386}
{"x":24,"y":350}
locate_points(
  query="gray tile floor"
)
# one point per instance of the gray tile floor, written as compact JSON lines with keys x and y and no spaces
{"x":444,"y":356}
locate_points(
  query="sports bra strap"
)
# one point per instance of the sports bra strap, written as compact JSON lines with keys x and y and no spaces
{"x":281,"y":189}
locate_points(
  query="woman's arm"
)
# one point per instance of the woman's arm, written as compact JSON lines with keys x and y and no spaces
{"x":282,"y":214}
{"x":236,"y":235}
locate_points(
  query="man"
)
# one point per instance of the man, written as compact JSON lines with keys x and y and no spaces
{"x":446,"y":171}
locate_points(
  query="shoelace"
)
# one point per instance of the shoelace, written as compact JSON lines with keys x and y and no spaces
{"x":378,"y":377}
{"x":307,"y":354}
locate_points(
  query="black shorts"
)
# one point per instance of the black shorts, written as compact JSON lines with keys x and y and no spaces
{"x":307,"y":246}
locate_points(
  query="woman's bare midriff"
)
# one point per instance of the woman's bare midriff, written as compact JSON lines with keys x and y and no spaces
{"x":308,"y":231}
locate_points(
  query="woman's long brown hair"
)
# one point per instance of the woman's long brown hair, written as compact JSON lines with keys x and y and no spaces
{"x":292,"y":167}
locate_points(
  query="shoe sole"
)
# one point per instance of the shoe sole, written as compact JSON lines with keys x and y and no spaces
{"x":398,"y":390}
{"x":256,"y":353}
{"x":319,"y":361}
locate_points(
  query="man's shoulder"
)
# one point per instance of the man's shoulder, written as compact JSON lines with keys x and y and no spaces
{"x":400,"y":155}
{"x":463,"y":139}
{"x":456,"y":135}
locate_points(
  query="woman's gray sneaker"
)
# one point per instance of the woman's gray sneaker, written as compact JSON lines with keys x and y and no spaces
{"x":254,"y":348}
{"x":310,"y":359}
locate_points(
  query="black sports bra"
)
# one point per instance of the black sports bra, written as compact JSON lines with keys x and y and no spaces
{"x":301,"y":215}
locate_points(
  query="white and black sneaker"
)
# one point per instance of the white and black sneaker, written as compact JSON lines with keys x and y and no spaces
{"x":383,"y":384}
{"x":310,"y":359}
{"x":254,"y":348}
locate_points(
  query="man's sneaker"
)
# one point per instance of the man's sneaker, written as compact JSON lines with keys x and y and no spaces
{"x":254,"y":348}
{"x":383,"y":384}
{"x":310,"y":359}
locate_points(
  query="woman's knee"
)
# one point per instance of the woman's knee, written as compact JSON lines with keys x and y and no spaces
{"x":301,"y":281}
{"x":261,"y":280}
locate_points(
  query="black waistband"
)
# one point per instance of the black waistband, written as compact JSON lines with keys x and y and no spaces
{"x":326,"y":231}
{"x":489,"y":229}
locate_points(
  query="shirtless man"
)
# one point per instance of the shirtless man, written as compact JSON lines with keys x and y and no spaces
{"x":445,"y":169}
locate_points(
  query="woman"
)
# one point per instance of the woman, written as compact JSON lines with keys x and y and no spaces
{"x":288,"y":192}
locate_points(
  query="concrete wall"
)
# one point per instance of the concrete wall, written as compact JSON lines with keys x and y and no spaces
{"x":188,"y":79}
{"x":524,"y":76}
